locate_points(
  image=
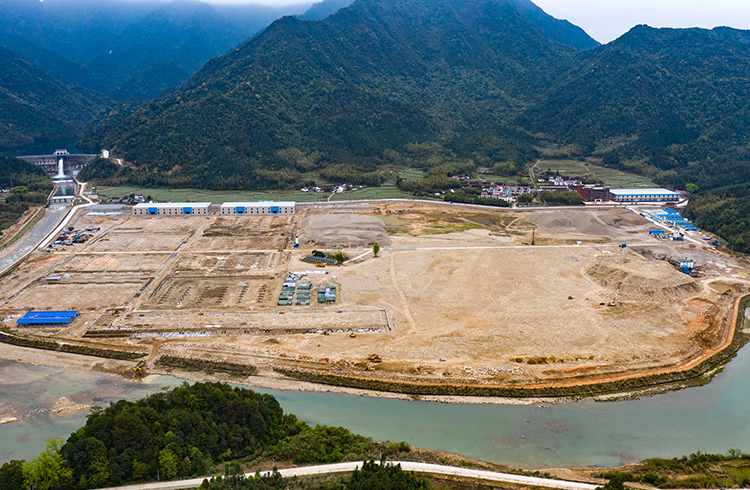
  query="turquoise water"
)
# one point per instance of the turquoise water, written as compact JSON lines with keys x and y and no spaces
{"x":711,"y":418}
{"x":65,"y":188}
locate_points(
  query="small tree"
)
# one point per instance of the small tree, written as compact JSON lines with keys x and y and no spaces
{"x":375,"y":249}
{"x":339,"y":256}
{"x":691,"y":188}
{"x":48,"y":470}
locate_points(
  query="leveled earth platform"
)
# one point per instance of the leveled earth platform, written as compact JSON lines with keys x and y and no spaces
{"x":457,"y":296}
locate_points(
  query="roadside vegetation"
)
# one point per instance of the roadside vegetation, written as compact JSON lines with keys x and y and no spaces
{"x":380,"y":476}
{"x":698,"y":470}
{"x":29,"y":186}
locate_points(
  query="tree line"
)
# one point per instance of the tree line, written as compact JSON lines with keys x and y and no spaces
{"x":189,"y":431}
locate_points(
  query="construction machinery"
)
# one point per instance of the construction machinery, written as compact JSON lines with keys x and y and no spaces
{"x":375,"y":358}
{"x":139,"y":370}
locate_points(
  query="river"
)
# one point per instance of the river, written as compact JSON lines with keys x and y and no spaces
{"x":711,"y":418}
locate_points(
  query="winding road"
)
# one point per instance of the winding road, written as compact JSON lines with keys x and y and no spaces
{"x":433,"y":469}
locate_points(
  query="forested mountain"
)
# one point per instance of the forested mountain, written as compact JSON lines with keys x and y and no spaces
{"x":326,"y":8}
{"x":673,"y":98}
{"x":36,"y":106}
{"x":118,"y":47}
{"x":673,"y":104}
{"x":163,"y":49}
{"x":558,"y":30}
{"x":358,"y":89}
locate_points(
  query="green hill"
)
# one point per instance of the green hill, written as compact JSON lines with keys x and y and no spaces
{"x":671,"y":99}
{"x":359,"y":89}
{"x":35,"y":106}
{"x":558,"y":30}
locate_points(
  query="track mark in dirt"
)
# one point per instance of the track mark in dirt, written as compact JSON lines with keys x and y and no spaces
{"x":401,"y":294}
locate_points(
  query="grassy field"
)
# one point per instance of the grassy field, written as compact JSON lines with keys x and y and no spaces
{"x":412,"y":174}
{"x":611,"y":177}
{"x":216,"y":197}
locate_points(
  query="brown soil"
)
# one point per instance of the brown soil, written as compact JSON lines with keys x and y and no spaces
{"x":457,"y":299}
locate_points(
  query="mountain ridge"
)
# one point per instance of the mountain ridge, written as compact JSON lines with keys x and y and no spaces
{"x":317,"y":86}
{"x":38,"y":106}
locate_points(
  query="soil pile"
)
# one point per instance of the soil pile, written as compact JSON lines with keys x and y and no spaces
{"x":635,"y":277}
{"x":337,"y":230}
{"x":609,"y":222}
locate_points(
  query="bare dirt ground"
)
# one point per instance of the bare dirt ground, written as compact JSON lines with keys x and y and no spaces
{"x":456,"y":295}
{"x":342,"y":230}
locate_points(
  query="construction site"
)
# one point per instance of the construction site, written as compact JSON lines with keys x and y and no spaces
{"x":456,"y":296}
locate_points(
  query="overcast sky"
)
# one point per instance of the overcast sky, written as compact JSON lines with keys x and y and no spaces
{"x":606,"y":20}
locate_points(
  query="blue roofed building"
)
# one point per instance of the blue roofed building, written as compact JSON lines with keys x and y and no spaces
{"x":47,"y":318}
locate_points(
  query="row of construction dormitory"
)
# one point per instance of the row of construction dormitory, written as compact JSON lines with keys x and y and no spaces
{"x":261,"y":208}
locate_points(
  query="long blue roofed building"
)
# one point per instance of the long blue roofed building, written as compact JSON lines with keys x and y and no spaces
{"x":171,"y":208}
{"x":47,"y":318}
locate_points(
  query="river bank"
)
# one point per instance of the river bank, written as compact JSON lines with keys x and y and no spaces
{"x":710,"y":418}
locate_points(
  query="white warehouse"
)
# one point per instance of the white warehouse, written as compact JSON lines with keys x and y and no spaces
{"x":171,"y":208}
{"x":644,"y":195}
{"x":258,"y":208}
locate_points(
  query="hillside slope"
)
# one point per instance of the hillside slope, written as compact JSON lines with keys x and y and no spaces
{"x":671,"y":98}
{"x":558,"y":30}
{"x":36,"y":106}
{"x":164,"y":49}
{"x":119,"y":47}
{"x":360,"y":85}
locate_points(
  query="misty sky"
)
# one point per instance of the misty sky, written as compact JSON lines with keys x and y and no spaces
{"x":606,"y":20}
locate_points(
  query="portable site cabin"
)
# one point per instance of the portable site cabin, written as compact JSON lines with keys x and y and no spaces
{"x":171,"y":209}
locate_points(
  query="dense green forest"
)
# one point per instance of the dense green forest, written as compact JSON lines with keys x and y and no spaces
{"x":29,"y":186}
{"x":182,"y":433}
{"x":667,"y":103}
{"x":725,"y":211}
{"x":129,"y":50}
{"x":439,"y":72}
{"x":36,"y":106}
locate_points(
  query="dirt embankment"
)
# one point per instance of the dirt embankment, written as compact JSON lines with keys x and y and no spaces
{"x":628,"y":276}
{"x":613,"y":223}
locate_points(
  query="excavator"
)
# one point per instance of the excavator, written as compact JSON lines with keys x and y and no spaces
{"x":139,"y":370}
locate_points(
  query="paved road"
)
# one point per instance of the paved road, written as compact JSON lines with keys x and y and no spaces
{"x":405,"y":465}
{"x":53,"y":214}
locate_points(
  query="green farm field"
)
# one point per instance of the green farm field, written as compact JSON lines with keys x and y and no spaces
{"x":216,"y":197}
{"x":611,"y":177}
